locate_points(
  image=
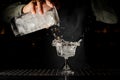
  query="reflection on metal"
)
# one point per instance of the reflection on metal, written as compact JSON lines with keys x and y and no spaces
{"x":53,"y":72}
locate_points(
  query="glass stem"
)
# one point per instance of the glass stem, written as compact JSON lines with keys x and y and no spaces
{"x":66,"y":65}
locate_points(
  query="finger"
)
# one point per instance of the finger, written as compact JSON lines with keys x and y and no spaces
{"x":49,"y":3}
{"x":33,"y":9}
{"x":39,"y":5}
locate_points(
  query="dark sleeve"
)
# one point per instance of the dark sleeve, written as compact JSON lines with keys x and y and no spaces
{"x":104,"y":12}
{"x":13,"y":10}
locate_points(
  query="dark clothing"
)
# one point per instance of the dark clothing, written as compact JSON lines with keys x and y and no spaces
{"x":73,"y":19}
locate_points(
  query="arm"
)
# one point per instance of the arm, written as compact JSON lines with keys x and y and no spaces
{"x":12,"y":11}
{"x":103,"y":12}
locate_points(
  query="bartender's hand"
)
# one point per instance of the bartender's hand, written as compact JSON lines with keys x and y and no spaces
{"x":37,"y":5}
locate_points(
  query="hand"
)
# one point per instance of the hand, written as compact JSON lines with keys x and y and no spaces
{"x":39,"y":5}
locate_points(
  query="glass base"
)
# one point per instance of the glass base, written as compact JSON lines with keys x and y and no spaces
{"x":67,"y":71}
